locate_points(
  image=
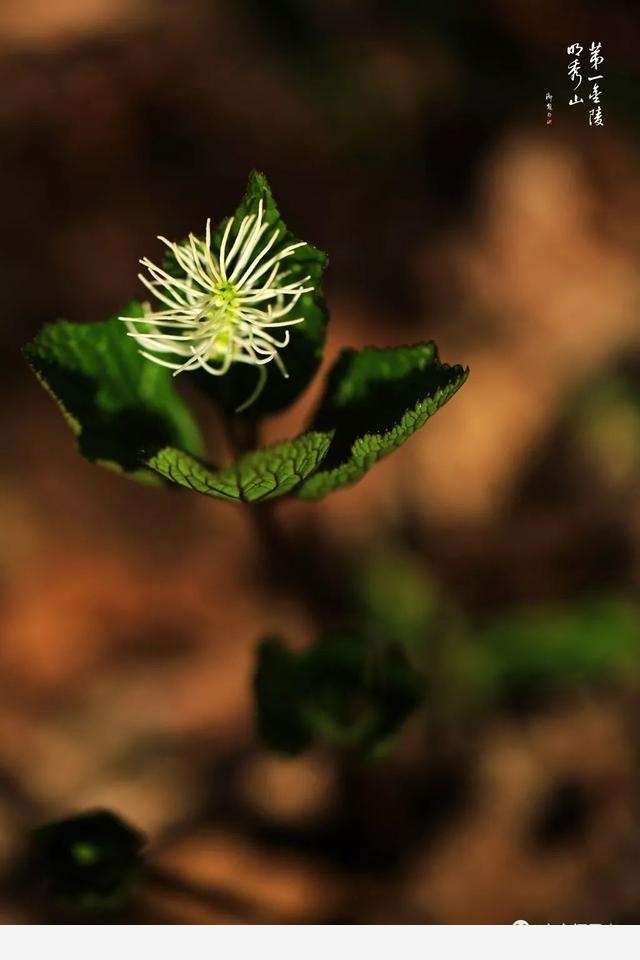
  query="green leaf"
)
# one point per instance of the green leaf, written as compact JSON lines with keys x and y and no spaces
{"x":121,"y":407}
{"x":92,"y":860}
{"x":303,"y":355}
{"x":344,"y":691}
{"x":276,"y":698}
{"x":356,"y":694}
{"x":550,"y":648}
{"x":398,"y":600}
{"x":258,"y":475}
{"x":374,"y":400}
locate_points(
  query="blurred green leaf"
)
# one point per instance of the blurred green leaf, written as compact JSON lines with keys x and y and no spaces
{"x":304,"y":353}
{"x":374,"y":400}
{"x":276,"y":695}
{"x":121,"y":407}
{"x":92,"y":860}
{"x":397,"y":598}
{"x":555,"y":648}
{"x":605,"y":415}
{"x":355,"y":694}
{"x":343,"y":691}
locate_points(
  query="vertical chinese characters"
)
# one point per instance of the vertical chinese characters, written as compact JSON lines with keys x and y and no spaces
{"x":595,"y":62}
{"x":574,"y":71}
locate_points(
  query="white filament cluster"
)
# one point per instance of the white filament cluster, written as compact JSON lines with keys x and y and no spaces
{"x":222,"y":308}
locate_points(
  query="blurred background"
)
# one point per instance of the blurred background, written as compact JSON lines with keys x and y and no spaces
{"x":409,"y":140}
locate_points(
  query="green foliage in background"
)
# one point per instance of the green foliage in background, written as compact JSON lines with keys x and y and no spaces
{"x":343,"y":691}
{"x":548,"y":649}
{"x":93,"y":860}
{"x":397,"y":600}
{"x":604,"y":417}
{"x":551,"y":649}
{"x":414,"y":649}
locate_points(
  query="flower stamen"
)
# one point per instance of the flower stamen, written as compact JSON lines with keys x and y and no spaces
{"x":220,"y":309}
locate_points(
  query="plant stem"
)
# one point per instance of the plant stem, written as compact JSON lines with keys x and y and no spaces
{"x":295,"y":565}
{"x":242,"y":434}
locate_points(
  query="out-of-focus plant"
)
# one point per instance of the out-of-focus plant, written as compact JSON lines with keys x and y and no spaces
{"x":96,"y":866}
{"x":605,"y":416}
{"x":472,"y":666}
{"x":92,"y":861}
{"x":586,"y":645}
{"x":343,"y":691}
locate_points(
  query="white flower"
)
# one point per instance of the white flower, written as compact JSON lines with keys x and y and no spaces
{"x":223,"y":309}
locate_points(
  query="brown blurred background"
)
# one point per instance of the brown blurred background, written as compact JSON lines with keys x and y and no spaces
{"x":408,"y":140}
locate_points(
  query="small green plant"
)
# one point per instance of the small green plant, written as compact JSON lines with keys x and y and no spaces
{"x":344,"y":691}
{"x":240,"y":313}
{"x":92,"y":861}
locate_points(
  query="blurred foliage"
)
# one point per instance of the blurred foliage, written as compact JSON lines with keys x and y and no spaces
{"x":92,"y":860}
{"x":276,"y":689}
{"x":605,"y":416}
{"x":556,"y":649}
{"x":467,"y":667}
{"x":413,"y":647}
{"x":396,"y":598}
{"x":343,"y":691}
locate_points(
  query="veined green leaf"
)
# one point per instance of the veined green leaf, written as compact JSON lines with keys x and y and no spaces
{"x":120,"y":406}
{"x":374,"y":400}
{"x":259,"y":475}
